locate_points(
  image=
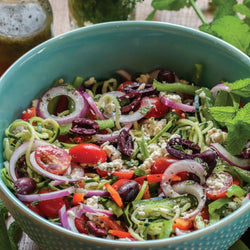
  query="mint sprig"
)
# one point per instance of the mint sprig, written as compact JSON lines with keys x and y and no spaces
{"x":227,"y":24}
{"x":237,"y":122}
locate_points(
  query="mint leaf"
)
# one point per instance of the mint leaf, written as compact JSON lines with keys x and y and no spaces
{"x":238,"y":135}
{"x":224,"y":8}
{"x":223,"y":98}
{"x":242,"y":9}
{"x":232,"y":30}
{"x":169,"y":4}
{"x":223,"y":114}
{"x":240,"y":87}
{"x":238,"y":130}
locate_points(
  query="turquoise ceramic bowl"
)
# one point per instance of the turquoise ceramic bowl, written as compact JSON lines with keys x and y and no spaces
{"x":98,"y":51}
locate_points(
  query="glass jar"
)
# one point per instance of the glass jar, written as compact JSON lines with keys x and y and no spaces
{"x":23,"y":25}
{"x":88,"y":12}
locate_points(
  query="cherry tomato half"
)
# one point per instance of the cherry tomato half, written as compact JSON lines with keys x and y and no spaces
{"x":28,"y":113}
{"x":122,"y":85}
{"x":81,"y":224}
{"x":162,"y":163}
{"x":34,"y":208}
{"x":50,"y":208}
{"x":218,"y":184}
{"x":179,"y":112}
{"x":87,"y":153}
{"x":158,"y":109}
{"x":53,"y":159}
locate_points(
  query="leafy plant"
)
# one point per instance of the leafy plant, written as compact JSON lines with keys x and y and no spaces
{"x":227,"y":24}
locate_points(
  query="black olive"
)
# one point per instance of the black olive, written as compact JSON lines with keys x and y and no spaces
{"x":25,"y":185}
{"x":128,"y":191}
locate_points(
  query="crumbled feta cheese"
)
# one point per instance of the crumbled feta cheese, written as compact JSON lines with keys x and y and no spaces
{"x":215,"y":135}
{"x":93,"y":201}
{"x":217,"y":180}
{"x":202,"y":94}
{"x":143,"y":78}
{"x":142,"y":86}
{"x":114,"y":165}
{"x":173,"y":97}
{"x":156,"y":152}
{"x":152,"y":126}
{"x":111,"y":151}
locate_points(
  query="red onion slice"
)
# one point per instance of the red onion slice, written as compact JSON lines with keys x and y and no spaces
{"x":219,"y":87}
{"x":190,"y":166}
{"x":66,"y":179}
{"x":111,"y":137}
{"x":171,"y":104}
{"x":232,"y":160}
{"x":67,"y":217}
{"x":18,"y":153}
{"x":46,"y":196}
{"x":137,"y":115}
{"x":191,"y":187}
{"x":81,"y":105}
{"x":92,"y":104}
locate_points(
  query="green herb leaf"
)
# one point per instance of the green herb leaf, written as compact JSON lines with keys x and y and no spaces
{"x":224,"y":8}
{"x":169,"y":4}
{"x":242,"y":9}
{"x":238,"y":130}
{"x":232,"y":30}
{"x":139,"y":172}
{"x":223,"y":114}
{"x":240,"y":87}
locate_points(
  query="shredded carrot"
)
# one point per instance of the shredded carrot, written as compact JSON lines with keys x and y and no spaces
{"x":114,"y":194}
{"x":78,"y":198}
{"x":183,"y":224}
{"x":111,"y":223}
{"x":120,"y":234}
{"x":146,"y":194}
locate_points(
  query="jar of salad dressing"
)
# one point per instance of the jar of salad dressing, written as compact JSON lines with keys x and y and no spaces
{"x":23,"y":25}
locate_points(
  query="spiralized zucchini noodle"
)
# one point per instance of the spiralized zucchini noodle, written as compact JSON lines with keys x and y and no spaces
{"x":139,"y":158}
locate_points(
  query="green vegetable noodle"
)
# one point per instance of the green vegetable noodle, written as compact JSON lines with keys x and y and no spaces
{"x":139,"y":160}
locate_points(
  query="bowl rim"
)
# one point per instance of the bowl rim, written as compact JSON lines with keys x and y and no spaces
{"x":134,"y":24}
{"x":117,"y":25}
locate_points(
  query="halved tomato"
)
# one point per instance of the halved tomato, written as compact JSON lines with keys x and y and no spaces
{"x":53,"y":159}
{"x":158,"y":110}
{"x":218,"y":184}
{"x":88,"y":153}
{"x":28,"y":113}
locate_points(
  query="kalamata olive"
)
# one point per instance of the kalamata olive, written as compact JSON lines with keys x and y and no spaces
{"x":95,"y":229}
{"x":124,"y":144}
{"x":174,"y":143}
{"x":83,"y":126}
{"x":166,"y":76}
{"x":209,"y":157}
{"x":128,"y":191}
{"x":135,"y":98}
{"x":25,"y":185}
{"x":147,"y":90}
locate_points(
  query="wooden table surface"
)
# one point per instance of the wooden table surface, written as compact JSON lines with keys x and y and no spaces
{"x":186,"y":17}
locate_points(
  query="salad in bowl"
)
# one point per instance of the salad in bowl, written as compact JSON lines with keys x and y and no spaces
{"x":132,"y":157}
